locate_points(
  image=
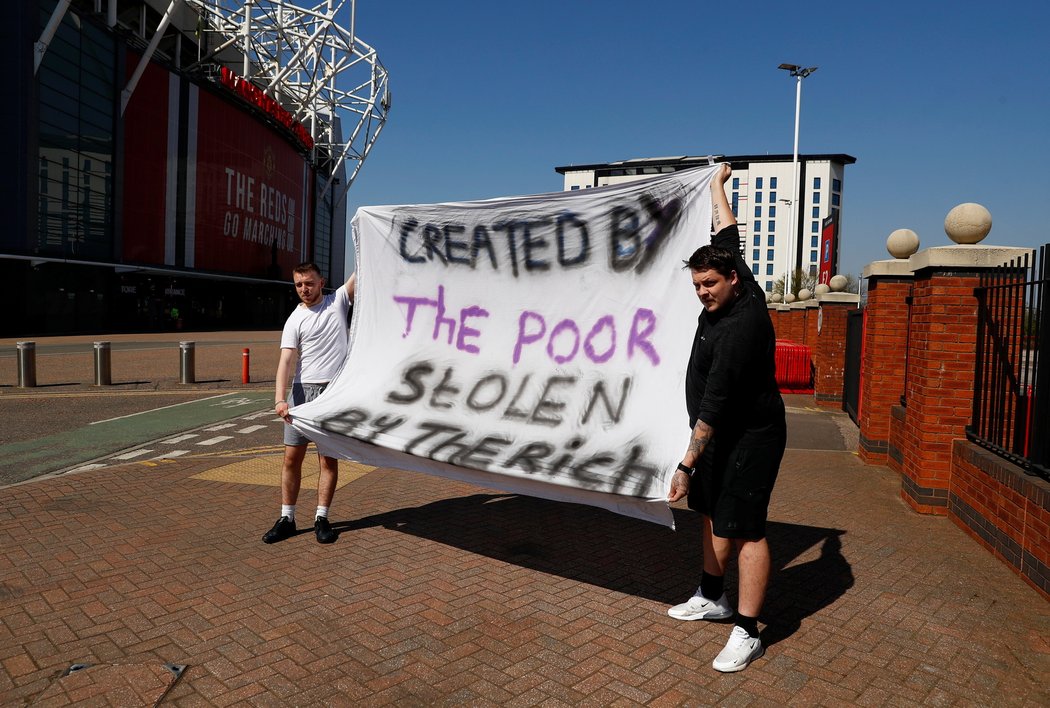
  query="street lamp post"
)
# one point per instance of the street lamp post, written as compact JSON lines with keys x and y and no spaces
{"x":793,"y":236}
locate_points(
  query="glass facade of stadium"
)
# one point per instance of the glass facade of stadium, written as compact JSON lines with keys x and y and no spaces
{"x":185,"y":210}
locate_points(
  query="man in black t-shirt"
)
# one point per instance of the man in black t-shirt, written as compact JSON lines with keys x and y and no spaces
{"x":739,"y":434}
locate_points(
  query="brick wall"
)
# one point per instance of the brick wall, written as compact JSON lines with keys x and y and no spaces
{"x":1004,"y":510}
{"x":882,"y":360}
{"x":897,"y":433}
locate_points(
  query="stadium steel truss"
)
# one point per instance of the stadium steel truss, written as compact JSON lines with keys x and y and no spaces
{"x":306,"y":57}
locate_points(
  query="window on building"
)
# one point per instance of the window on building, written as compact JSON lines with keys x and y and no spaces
{"x":574,"y":187}
{"x":835,"y":199}
{"x":836,"y":185}
{"x":758,"y":212}
{"x":813,"y":241}
{"x":758,"y":197}
{"x":771,"y":241}
{"x":772,"y":197}
{"x":769,"y":286}
{"x":757,"y":240}
{"x":769,"y":254}
{"x":755,"y":255}
{"x":816,"y":212}
{"x":769,"y":269}
{"x":754,"y":268}
{"x":772,"y":225}
{"x":815,"y":227}
{"x":772,"y":182}
{"x":757,"y":227}
{"x":758,"y":183}
{"x":816,"y":197}
{"x":812,"y":256}
{"x":772,"y":211}
{"x":75,"y":154}
{"x":735,"y":202}
{"x":736,"y":183}
{"x":816,"y":183}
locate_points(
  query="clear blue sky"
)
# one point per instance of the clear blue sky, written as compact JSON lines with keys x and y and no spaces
{"x":941,"y":103}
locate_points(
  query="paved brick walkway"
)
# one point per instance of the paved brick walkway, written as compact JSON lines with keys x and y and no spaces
{"x":151,"y":583}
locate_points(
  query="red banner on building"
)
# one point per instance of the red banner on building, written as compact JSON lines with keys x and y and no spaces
{"x":829,"y":248}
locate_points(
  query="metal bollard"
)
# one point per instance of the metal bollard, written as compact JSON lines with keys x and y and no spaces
{"x":26,"y":364}
{"x":103,"y":367}
{"x":186,"y":361}
{"x":245,"y":359}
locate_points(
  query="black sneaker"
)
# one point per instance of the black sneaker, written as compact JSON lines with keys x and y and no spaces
{"x":323,"y":530}
{"x":284,"y":528}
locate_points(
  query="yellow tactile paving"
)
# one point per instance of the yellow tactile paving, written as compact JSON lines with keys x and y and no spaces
{"x":266,"y":471}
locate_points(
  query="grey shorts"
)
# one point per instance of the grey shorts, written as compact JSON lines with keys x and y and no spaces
{"x":301,"y":393}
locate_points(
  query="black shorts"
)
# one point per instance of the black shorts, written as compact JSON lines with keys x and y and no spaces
{"x":733,"y":486}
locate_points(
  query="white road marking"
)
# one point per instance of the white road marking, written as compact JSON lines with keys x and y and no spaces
{"x":180,"y":438}
{"x":216,"y":439}
{"x":175,"y":405}
{"x":173,"y":453}
{"x":133,"y":454}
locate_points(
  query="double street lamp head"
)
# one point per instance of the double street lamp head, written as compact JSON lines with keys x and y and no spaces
{"x":797,"y":70}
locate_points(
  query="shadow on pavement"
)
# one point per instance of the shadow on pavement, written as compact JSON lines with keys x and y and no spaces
{"x":622,"y":554}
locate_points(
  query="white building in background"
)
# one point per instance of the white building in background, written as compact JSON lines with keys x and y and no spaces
{"x":760,"y":193}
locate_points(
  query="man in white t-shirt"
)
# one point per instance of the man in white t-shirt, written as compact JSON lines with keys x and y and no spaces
{"x":314,"y":346}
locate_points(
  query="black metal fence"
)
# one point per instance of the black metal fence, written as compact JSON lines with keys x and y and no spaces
{"x":1011,"y":400}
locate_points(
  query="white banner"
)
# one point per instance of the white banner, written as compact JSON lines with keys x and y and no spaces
{"x":535,"y":344}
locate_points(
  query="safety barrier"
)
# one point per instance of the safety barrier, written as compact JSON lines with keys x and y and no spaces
{"x":794,"y":364}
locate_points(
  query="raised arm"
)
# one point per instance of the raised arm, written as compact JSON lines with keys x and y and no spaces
{"x":722,"y":218}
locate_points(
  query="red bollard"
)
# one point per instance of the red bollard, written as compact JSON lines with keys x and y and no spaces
{"x":245,"y":378}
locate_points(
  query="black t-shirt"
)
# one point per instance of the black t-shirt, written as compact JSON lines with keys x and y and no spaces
{"x":731,"y":381}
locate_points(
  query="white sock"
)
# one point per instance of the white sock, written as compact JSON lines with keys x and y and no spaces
{"x":322,"y":511}
{"x":288,"y":510}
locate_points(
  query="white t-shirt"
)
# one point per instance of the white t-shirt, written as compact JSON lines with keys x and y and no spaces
{"x":320,"y":335}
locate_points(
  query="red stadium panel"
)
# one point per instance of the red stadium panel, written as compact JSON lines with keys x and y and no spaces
{"x":146,"y":148}
{"x":252,"y":193}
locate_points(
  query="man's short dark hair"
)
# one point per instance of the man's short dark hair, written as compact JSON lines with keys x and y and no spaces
{"x":306,"y":267}
{"x":721,"y":260}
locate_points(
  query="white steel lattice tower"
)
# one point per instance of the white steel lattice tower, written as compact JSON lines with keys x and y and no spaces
{"x":307,"y":58}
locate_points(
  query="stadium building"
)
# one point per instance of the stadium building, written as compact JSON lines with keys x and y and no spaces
{"x":168,"y":162}
{"x":760,"y":193}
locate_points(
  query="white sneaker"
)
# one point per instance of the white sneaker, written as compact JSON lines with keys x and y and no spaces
{"x":740,"y":650}
{"x":699,"y":607}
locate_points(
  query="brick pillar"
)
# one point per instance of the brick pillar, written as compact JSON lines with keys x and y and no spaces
{"x":829,"y":350}
{"x":811,"y":323}
{"x":942,"y":345}
{"x":883,"y":355}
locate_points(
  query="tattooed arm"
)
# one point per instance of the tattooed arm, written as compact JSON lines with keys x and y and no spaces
{"x":702,"y":434}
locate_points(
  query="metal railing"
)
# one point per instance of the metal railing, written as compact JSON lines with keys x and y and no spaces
{"x":1011,"y":399}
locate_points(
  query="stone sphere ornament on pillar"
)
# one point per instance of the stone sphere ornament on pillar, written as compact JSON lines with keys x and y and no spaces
{"x":902,"y":243}
{"x":804,"y":294}
{"x":822,"y":288}
{"x":968,"y":223}
{"x":789,"y":298}
{"x":838,"y":283}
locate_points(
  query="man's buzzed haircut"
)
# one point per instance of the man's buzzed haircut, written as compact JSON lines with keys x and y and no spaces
{"x":304,"y":268}
{"x":721,"y":260}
